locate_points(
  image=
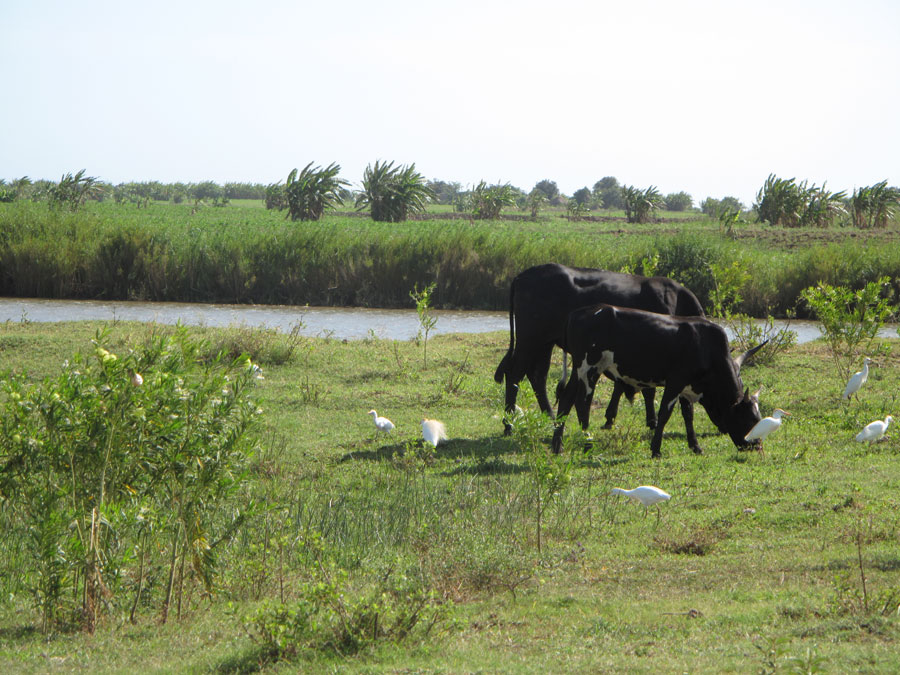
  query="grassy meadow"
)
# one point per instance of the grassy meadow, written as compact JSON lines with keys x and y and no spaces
{"x":245,"y":254}
{"x":785,"y":560}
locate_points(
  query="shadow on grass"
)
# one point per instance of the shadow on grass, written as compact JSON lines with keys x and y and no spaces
{"x":886,"y":564}
{"x":456,"y":448}
{"x":377,"y":455}
{"x":17,"y":632}
{"x":599,"y":460}
{"x":491,"y":467}
{"x":250,"y":660}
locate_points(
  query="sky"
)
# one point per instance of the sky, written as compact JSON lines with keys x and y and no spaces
{"x":705,"y":97}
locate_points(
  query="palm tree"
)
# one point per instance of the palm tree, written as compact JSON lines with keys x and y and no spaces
{"x":393,"y":193}
{"x":822,"y":206}
{"x":312,"y":191}
{"x":639,"y":204}
{"x":489,"y":200}
{"x":535,"y":200}
{"x":74,"y":191}
{"x":873,"y":206}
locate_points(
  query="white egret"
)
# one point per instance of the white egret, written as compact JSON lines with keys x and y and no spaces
{"x":765,"y":426}
{"x":874,"y":431}
{"x":433,"y":432}
{"x":382,"y":424}
{"x":648,"y":495}
{"x":858,"y":380}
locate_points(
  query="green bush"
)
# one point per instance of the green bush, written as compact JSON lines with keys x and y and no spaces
{"x":688,"y":259}
{"x":122,"y":463}
{"x":331,"y":615}
{"x":850,"y":319}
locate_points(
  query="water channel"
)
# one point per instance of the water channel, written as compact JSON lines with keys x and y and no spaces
{"x":344,"y":323}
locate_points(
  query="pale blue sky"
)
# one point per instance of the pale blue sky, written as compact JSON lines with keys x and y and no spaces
{"x":708,"y":97}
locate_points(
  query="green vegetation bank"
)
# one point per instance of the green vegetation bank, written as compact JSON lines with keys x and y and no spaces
{"x":245,"y":254}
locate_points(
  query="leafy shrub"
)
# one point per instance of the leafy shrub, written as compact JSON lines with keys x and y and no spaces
{"x":550,"y":472}
{"x":330,"y":615}
{"x":118,"y":458}
{"x":266,"y":346}
{"x":678,"y":201}
{"x":689,"y":260}
{"x":427,"y":320}
{"x":488,"y":200}
{"x":850,"y":319}
{"x":748,"y":333}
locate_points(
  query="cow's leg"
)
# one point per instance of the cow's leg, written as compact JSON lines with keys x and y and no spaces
{"x":620,"y":388}
{"x":687,"y":412}
{"x":612,"y":408}
{"x":537,"y":375}
{"x":666,"y":404}
{"x":585,"y":397}
{"x":514,"y":374}
{"x":566,"y":400}
{"x":649,"y":406}
{"x":570,"y":395}
{"x":512,"y":392}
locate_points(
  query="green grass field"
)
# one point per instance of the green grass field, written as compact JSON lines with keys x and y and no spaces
{"x":755,"y":565}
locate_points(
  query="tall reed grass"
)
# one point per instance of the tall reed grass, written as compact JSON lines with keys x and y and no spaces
{"x":245,"y":255}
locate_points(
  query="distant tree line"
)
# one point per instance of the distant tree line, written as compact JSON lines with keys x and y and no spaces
{"x":392,"y":193}
{"x":74,"y":190}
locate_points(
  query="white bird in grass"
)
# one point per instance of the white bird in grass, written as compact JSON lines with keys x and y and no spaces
{"x":858,"y":380}
{"x":874,"y":431}
{"x":433,"y":432}
{"x":765,"y":426}
{"x":382,"y":424}
{"x":648,"y":495}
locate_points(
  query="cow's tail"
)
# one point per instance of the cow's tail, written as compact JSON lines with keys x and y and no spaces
{"x":504,"y":363}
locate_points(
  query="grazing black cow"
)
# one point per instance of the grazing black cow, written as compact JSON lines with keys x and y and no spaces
{"x":688,"y":356}
{"x":540,"y":299}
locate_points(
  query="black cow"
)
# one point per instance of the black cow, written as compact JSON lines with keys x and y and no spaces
{"x":688,"y":356}
{"x":540,"y":299}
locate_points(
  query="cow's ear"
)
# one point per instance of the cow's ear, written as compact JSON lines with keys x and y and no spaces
{"x":755,"y":395}
{"x":747,"y":393}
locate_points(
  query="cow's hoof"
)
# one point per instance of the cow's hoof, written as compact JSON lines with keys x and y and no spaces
{"x":507,"y":429}
{"x":608,"y":425}
{"x":698,"y":450}
{"x":655,"y":455}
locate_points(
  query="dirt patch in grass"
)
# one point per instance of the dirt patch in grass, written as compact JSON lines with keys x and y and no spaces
{"x":699,"y":541}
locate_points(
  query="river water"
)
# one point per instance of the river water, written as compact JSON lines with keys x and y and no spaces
{"x":345,"y":323}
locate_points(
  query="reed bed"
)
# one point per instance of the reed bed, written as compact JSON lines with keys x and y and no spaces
{"x":248,"y":255}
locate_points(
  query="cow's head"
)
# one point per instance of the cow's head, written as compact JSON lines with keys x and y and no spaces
{"x":742,"y":417}
{"x":744,"y":414}
{"x":735,"y":417}
{"x":733,"y":409}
